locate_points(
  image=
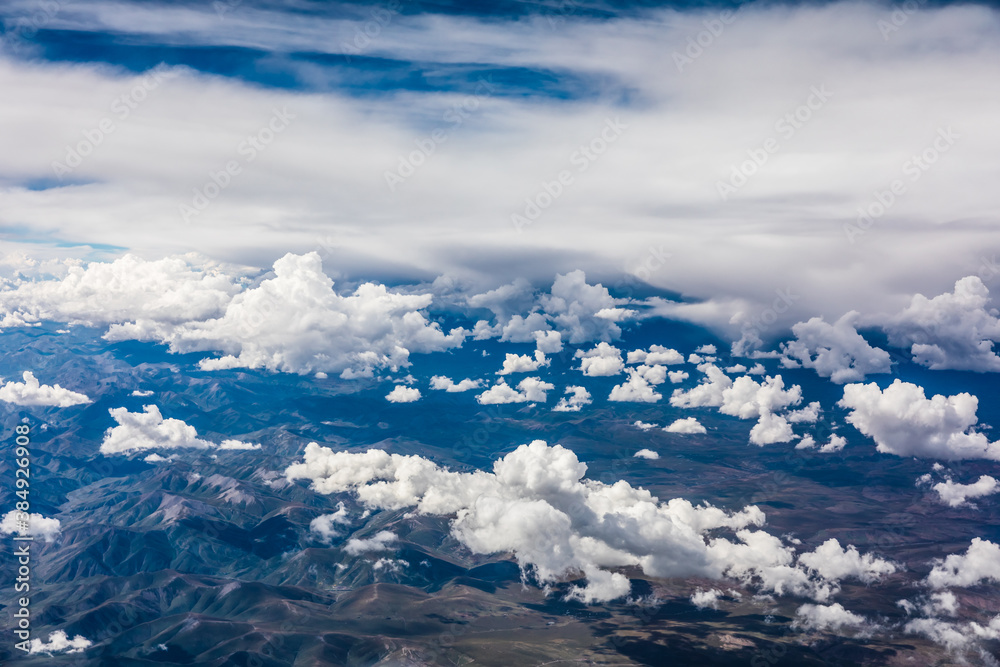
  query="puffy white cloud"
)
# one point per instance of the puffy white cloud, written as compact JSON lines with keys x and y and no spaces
{"x":515,"y":363}
{"x":708,"y":393}
{"x":657,"y":354}
{"x":833,"y":562}
{"x":581,"y":311}
{"x":142,"y":394}
{"x":677,"y":376}
{"x":757,"y":369}
{"x":59,"y":642}
{"x":826,"y":617}
{"x":529,"y":389}
{"x":738,"y":368}
{"x":295,"y":322}
{"x":951,"y":331}
{"x":835,"y":444}
{"x":980,"y":562}
{"x":401,"y":394}
{"x":35,"y":525}
{"x":323,"y":525}
{"x":646,"y":454}
{"x":636,"y":389}
{"x":686,"y":425}
{"x":381,"y":541}
{"x":747,"y":398}
{"x":770,"y":429}
{"x":643,"y":426}
{"x":602,"y":360}
{"x":836,"y":351}
{"x":904,"y":422}
{"x":172,"y":290}
{"x":31,"y":392}
{"x":706,"y":349}
{"x":808,"y":414}
{"x":549,"y":342}
{"x":441,"y":382}
{"x":956,"y":495}
{"x":536,"y":504}
{"x":955,"y":636}
{"x":579,"y":397}
{"x":149,"y":430}
{"x":704,"y":599}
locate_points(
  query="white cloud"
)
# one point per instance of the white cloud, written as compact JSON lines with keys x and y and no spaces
{"x":37,"y":525}
{"x":706,"y":349}
{"x":529,"y":389}
{"x":738,"y":368}
{"x":515,"y":363}
{"x":770,"y":429}
{"x":904,"y":422}
{"x":31,"y":392}
{"x":677,"y":376}
{"x":440,"y":382}
{"x":835,"y":444}
{"x":951,"y":331}
{"x":643,"y":426}
{"x":708,"y":393}
{"x":59,"y":642}
{"x":137,"y":431}
{"x":956,"y":495}
{"x":142,"y":394}
{"x":686,"y":425}
{"x":381,"y":541}
{"x":581,"y":311}
{"x":704,"y":599}
{"x":636,"y":389}
{"x":833,"y":562}
{"x":826,"y":617}
{"x":323,"y":525}
{"x":657,"y":354}
{"x":646,"y":454}
{"x":602,"y":360}
{"x":536,"y":504}
{"x":836,"y":351}
{"x":549,"y":342}
{"x":747,"y":398}
{"x":579,"y":397}
{"x":402,"y":394}
{"x":808,"y":414}
{"x":757,"y":369}
{"x":980,"y":562}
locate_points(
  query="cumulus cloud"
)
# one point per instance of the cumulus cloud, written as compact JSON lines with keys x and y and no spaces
{"x":528,"y":390}
{"x":59,"y":642}
{"x":951,"y":331}
{"x":834,"y":562}
{"x":636,"y":389}
{"x":704,"y":599}
{"x":578,"y":397}
{"x":148,"y":429}
{"x":381,"y":541}
{"x":292,"y":322}
{"x":602,"y":360}
{"x":657,"y":354}
{"x":677,"y":376}
{"x":402,"y":394}
{"x":955,"y":495}
{"x":686,"y":425}
{"x":980,"y":562}
{"x":440,"y":382}
{"x":515,"y":363}
{"x":770,"y":429}
{"x":826,"y":617}
{"x":548,"y":342}
{"x":836,"y":351}
{"x":536,"y":504}
{"x":808,"y":414}
{"x":31,"y":392}
{"x":170,"y":291}
{"x":646,"y":454}
{"x":904,"y":422}
{"x":33,"y":524}
{"x":323,"y":525}
{"x":643,"y":426}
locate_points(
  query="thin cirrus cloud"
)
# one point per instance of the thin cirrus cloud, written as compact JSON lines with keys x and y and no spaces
{"x":299,"y":192}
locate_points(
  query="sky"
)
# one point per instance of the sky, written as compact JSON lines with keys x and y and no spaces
{"x":722,"y":153}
